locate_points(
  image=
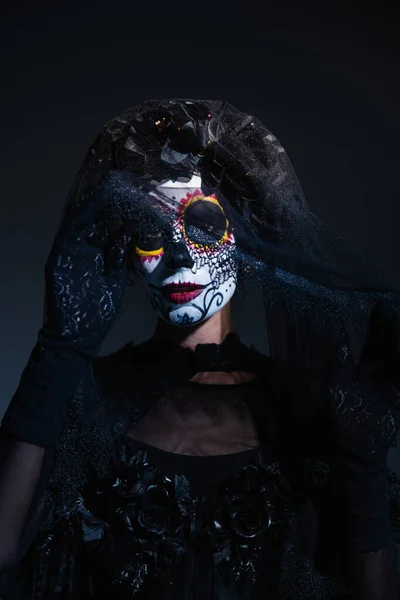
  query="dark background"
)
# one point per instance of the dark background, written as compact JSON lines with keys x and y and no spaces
{"x":322,"y":76}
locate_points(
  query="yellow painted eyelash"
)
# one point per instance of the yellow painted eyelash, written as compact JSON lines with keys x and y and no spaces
{"x":193,"y":199}
{"x":148,"y":252}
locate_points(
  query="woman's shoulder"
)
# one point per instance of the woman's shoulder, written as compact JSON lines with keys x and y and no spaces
{"x":119,"y":356}
{"x":122,"y":365}
{"x":115,"y":375}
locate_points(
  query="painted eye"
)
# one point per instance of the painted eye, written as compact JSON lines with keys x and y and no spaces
{"x":205,"y":223}
{"x":149,"y":242}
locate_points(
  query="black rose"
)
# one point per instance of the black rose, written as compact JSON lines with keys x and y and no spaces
{"x":156,"y":510}
{"x":151,"y":512}
{"x":249,"y":518}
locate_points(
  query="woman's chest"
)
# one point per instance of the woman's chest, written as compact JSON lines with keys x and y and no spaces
{"x":197,"y":428}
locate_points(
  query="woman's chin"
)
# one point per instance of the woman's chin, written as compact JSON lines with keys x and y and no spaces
{"x":184,"y":316}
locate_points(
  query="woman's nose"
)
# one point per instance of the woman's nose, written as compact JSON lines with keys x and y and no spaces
{"x":176,"y":256}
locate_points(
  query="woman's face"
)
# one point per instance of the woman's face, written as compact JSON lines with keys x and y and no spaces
{"x":193,"y":275}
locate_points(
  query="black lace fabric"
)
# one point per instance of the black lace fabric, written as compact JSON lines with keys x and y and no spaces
{"x":280,"y":246}
{"x":21,"y":465}
{"x":24,"y":472}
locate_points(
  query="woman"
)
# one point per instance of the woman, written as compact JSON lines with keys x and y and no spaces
{"x":192,"y":466}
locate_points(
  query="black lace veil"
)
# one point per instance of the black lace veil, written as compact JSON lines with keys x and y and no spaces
{"x":282,"y":247}
{"x":312,"y":286}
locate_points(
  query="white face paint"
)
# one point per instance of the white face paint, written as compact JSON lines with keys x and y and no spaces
{"x":196,"y":275}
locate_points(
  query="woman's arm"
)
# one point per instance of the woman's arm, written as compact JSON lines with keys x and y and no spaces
{"x":84,"y":292}
{"x":22,"y":479}
{"x":368,"y":553}
{"x":364,"y":408}
{"x":31,"y":428}
{"x":24,"y":520}
{"x":373,"y":575}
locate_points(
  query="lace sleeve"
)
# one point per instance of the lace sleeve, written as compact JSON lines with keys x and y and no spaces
{"x":38,"y":418}
{"x":373,"y":575}
{"x":368,"y":549}
{"x":24,"y":470}
{"x":34,"y":550}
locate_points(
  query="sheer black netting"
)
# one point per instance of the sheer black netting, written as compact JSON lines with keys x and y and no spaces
{"x":297,"y":257}
{"x":307,"y":514}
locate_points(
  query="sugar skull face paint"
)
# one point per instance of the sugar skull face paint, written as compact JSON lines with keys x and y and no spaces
{"x":192,"y":274}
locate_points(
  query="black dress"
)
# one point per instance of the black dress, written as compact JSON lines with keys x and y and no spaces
{"x":267,"y":522}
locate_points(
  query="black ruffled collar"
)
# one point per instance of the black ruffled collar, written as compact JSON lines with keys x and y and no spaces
{"x":166,"y":356}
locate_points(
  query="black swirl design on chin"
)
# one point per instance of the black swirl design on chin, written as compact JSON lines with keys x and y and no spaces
{"x":208,"y":302}
{"x":211,"y":296}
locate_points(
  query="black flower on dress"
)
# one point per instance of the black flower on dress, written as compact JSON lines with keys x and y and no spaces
{"x":252,"y":520}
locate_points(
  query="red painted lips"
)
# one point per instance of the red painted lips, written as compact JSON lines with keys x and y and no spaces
{"x":181,"y":293}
